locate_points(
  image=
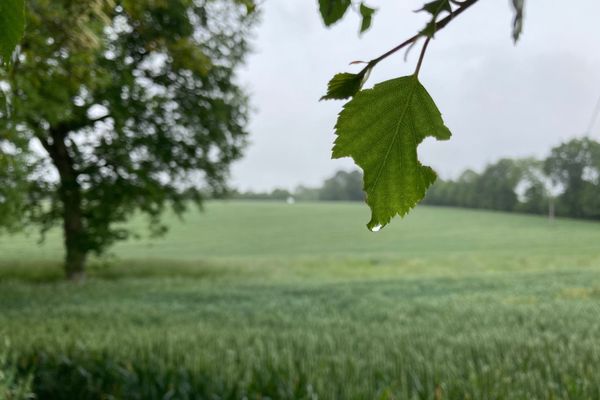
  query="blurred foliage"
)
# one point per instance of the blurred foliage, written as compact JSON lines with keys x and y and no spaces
{"x":568,"y":180}
{"x":13,"y":384}
{"x":135,"y":107}
{"x":575,"y":167}
{"x":13,"y":189}
{"x":343,"y":186}
{"x":571,"y":173}
{"x":12,"y":24}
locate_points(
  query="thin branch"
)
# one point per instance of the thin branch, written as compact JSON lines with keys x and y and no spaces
{"x":45,"y":144}
{"x":102,"y":118}
{"x":595,"y":114}
{"x":407,"y":52}
{"x":423,"y":50}
{"x":464,"y":5}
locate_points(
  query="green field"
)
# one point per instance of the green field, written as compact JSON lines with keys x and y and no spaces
{"x":269,"y":300}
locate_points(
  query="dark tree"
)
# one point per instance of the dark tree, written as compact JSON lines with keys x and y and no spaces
{"x":495,"y":188}
{"x":118,"y":107}
{"x":575,"y":167}
{"x":534,"y":194}
{"x":343,"y":185}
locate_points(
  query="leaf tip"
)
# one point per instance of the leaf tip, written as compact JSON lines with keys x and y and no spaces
{"x":343,"y":86}
{"x":374,"y":227}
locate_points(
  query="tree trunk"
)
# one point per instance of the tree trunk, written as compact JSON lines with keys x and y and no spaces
{"x":70,"y":196}
{"x":75,"y":265}
{"x":73,"y":235}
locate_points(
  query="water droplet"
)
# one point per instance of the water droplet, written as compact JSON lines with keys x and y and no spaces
{"x":376,"y":228}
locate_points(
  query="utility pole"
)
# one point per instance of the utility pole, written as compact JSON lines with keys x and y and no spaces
{"x":593,"y":119}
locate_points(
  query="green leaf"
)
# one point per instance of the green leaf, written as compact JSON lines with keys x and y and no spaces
{"x":367,"y":17}
{"x":344,"y":85}
{"x":333,"y":10}
{"x":430,"y":29}
{"x":518,"y":5}
{"x":380,"y":129}
{"x":12,"y":25}
{"x":249,"y":4}
{"x":436,"y":7}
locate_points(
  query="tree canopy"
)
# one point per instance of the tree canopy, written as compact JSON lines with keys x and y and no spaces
{"x":134,"y":108}
{"x":566,"y":183}
{"x":12,"y":24}
{"x":575,"y":167}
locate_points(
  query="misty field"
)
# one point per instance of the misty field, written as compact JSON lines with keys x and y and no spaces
{"x":263,"y":300}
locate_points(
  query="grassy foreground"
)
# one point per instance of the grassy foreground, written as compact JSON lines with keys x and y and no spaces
{"x":267,"y":300}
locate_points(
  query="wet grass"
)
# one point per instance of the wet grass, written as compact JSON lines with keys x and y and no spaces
{"x":264,"y":300}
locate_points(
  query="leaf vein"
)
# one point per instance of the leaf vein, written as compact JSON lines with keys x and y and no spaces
{"x":396,"y":134}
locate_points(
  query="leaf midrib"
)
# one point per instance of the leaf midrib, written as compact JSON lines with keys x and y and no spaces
{"x":396,"y":134}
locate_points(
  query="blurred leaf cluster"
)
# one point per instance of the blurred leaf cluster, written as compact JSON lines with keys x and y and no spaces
{"x":134,"y":107}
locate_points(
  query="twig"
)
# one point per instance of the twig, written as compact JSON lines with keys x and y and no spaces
{"x":439,"y":26}
{"x":423,"y":50}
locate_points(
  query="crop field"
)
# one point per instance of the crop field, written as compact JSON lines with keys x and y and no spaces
{"x":262,"y":300}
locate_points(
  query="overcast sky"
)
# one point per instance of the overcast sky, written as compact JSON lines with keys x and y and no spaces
{"x":498,"y":99}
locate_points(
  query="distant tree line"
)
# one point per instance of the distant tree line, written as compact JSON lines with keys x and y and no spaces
{"x":566,"y":183}
{"x":343,"y":186}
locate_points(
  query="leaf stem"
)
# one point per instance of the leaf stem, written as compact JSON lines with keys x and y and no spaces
{"x":464,"y":5}
{"x":421,"y":56}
